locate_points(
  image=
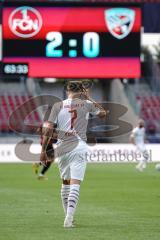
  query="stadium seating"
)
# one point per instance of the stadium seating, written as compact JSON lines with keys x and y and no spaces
{"x":8,"y":103}
{"x":150,"y":110}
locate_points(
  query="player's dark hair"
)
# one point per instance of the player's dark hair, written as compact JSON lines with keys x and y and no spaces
{"x":78,"y":86}
{"x":74,"y":86}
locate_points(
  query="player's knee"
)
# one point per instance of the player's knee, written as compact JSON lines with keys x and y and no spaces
{"x":75,"y":181}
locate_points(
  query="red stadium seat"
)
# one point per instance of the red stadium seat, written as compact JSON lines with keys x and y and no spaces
{"x":9,"y":103}
{"x":150,"y":110}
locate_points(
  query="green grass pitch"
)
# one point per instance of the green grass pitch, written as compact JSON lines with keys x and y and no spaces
{"x":116,"y":203}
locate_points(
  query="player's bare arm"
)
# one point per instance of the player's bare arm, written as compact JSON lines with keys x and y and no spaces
{"x":47,"y":131}
{"x":131,"y":140}
{"x":102,"y":112}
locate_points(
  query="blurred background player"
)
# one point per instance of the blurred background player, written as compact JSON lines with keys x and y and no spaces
{"x":138,"y":139}
{"x":71,"y":118}
{"x":49,"y":157}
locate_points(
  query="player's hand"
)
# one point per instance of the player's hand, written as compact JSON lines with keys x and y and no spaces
{"x":102,"y":113}
{"x":55,"y":135}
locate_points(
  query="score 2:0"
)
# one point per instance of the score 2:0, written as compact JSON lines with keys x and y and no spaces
{"x":90,"y":44}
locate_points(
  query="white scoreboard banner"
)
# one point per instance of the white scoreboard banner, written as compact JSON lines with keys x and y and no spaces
{"x":99,"y":153}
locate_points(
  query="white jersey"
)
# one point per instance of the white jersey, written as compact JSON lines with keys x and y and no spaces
{"x":71,"y":117}
{"x":139,"y":136}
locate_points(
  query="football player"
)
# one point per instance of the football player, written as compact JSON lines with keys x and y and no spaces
{"x":71,"y":117}
{"x":138,"y":139}
{"x":49,"y":156}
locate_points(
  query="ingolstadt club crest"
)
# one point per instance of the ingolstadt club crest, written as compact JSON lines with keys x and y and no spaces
{"x":119,"y":21}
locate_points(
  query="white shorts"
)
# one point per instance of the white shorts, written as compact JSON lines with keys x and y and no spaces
{"x":141,"y":148}
{"x":72,"y":165}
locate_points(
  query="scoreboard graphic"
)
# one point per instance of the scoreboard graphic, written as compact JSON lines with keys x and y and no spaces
{"x":0,"y":39}
{"x":73,"y":41}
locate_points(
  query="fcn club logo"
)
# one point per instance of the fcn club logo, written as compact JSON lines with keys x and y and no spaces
{"x":119,"y":21}
{"x":25,"y":22}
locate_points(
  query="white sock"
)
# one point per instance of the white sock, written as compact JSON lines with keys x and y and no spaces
{"x":41,"y":175}
{"x":65,"y":190}
{"x":73,"y":199}
{"x":142,"y":164}
{"x":145,"y":159}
